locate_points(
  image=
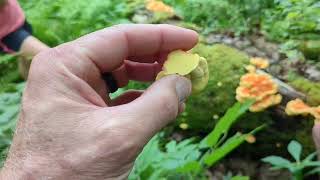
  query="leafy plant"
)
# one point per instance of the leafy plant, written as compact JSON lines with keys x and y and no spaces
{"x":222,"y":15}
{"x":189,"y":158}
{"x":55,"y":22}
{"x":8,"y":70}
{"x":298,"y":166}
{"x":9,"y":109}
{"x":229,"y":176}
{"x":295,"y":19}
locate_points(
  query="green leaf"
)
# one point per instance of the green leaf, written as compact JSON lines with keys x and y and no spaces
{"x":240,"y":178}
{"x":295,"y":149}
{"x":217,"y":154}
{"x":119,"y":92}
{"x":210,"y":158}
{"x":310,"y":164}
{"x":278,"y":161}
{"x":313,"y":171}
{"x":156,"y":163}
{"x":193,"y":166}
{"x":225,"y":123}
{"x":310,"y":157}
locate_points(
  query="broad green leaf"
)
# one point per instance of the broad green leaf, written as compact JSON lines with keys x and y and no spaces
{"x":295,"y":149}
{"x":277,"y":161}
{"x":225,"y":123}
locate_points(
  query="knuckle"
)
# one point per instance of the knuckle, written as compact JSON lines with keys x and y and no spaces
{"x":124,"y":138}
{"x":48,"y":62}
{"x":168,"y":105}
{"x":40,"y":64}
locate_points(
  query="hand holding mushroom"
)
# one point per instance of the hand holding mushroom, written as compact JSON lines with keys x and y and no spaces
{"x":189,"y":65}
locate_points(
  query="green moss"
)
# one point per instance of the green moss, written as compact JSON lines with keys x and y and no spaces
{"x":310,"y":48}
{"x":226,"y":65}
{"x":309,"y":88}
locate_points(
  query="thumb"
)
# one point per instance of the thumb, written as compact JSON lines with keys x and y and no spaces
{"x":160,"y":103}
{"x":316,"y":137}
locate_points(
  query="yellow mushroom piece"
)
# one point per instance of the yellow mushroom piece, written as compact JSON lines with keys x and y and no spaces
{"x":189,"y":65}
{"x":181,"y":62}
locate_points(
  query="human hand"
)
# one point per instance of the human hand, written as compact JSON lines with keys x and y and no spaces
{"x":70,"y":129}
{"x":30,"y":47}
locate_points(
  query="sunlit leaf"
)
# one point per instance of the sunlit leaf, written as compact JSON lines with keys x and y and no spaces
{"x":277,"y":161}
{"x":295,"y":149}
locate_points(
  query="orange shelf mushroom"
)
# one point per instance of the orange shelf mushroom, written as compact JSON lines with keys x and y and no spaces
{"x":266,"y":102}
{"x":260,"y":88}
{"x":260,"y":63}
{"x":251,"y":68}
{"x":158,"y":6}
{"x":298,"y":107}
{"x":255,"y":86}
{"x":315,"y":112}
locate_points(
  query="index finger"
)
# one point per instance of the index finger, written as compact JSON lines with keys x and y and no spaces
{"x":108,"y":48}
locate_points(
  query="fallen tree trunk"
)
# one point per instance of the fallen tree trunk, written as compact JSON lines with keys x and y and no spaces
{"x":288,"y":93}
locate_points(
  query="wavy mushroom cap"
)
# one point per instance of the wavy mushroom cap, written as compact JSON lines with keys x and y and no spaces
{"x":297,"y":107}
{"x":159,"y":6}
{"x":255,"y":86}
{"x":260,"y":63}
{"x":266,"y":102}
{"x":250,"y":68}
{"x":316,"y":113}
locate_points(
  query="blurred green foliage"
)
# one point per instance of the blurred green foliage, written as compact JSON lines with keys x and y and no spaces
{"x":59,"y":21}
{"x":9,"y":109}
{"x":239,"y":16}
{"x":292,"y":19}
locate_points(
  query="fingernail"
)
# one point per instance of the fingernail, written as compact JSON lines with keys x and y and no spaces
{"x":183,"y":88}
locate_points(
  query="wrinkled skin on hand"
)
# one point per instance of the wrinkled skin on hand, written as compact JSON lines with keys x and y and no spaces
{"x":191,"y":66}
{"x":70,"y":129}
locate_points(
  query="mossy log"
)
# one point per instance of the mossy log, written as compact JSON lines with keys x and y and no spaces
{"x":310,"y":48}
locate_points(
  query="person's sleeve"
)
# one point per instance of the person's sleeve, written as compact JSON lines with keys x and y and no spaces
{"x":11,"y":19}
